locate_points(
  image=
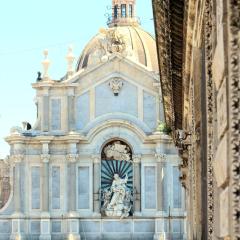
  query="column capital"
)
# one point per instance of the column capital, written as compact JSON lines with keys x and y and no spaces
{"x":136,"y":158}
{"x":72,"y":157}
{"x":17,"y":158}
{"x":96,"y":158}
{"x":160,"y":157}
{"x":45,"y":158}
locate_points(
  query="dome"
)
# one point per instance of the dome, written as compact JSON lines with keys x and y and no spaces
{"x":130,"y":41}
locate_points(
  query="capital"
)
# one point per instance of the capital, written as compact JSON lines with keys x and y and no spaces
{"x":136,"y":158}
{"x":45,"y":158}
{"x":17,"y":158}
{"x":72,"y":157}
{"x":96,"y":158}
{"x":161,"y":157}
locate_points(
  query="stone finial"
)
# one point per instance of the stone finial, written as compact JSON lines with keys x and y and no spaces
{"x":46,"y":63}
{"x":70,"y":59}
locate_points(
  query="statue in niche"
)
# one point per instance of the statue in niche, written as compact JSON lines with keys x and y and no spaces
{"x":119,"y":204}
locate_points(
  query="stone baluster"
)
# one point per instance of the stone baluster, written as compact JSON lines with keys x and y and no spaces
{"x":96,"y":184}
{"x":45,"y":215}
{"x":137,"y":183}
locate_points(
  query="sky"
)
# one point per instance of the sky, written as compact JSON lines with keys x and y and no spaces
{"x":27,"y":27}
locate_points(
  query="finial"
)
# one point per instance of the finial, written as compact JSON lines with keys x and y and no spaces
{"x":70,"y":59}
{"x":46,"y":64}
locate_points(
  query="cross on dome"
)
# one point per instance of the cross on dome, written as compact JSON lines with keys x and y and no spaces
{"x":123,"y":13}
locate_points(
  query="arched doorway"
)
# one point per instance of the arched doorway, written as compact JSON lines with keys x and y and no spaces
{"x":116,"y":179}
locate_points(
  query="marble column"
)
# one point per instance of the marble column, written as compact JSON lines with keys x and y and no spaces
{"x":45,"y":215}
{"x":73,"y":216}
{"x":96,"y":184}
{"x":137,"y":183}
{"x":17,"y":217}
{"x":160,"y":167}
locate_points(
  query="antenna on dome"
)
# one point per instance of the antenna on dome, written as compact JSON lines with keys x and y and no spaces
{"x":123,"y":13}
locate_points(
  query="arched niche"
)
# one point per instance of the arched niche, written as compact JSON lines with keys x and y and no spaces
{"x":116,"y":179}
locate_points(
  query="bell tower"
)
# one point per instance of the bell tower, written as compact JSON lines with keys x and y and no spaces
{"x":123,"y":13}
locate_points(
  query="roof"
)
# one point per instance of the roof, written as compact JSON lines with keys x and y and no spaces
{"x":168,"y":17}
{"x":132,"y":42}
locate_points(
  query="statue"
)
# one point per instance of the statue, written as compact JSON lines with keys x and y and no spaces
{"x":119,"y":205}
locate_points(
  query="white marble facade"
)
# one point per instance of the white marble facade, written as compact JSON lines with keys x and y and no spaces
{"x":57,"y":166}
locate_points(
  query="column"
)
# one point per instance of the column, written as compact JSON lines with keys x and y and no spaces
{"x":96,"y":184}
{"x":73,"y":217}
{"x":71,"y":113}
{"x":137,"y":183}
{"x":17,"y":217}
{"x":45,"y":215}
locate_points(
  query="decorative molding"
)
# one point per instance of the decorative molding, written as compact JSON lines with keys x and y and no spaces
{"x":210,"y":110}
{"x":116,"y":85}
{"x":234,"y":100}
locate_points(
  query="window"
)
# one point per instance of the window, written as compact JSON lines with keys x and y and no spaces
{"x":116,"y":11}
{"x":130,"y":14}
{"x":123,"y":10}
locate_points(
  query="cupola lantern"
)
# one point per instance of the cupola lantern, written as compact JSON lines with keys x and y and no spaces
{"x":123,"y":13}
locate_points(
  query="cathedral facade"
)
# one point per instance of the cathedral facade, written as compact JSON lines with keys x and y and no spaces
{"x":97,"y":164}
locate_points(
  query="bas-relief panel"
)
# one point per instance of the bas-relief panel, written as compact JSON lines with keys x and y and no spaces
{"x":107,"y":102}
{"x":82,"y":110}
{"x":149,"y":110}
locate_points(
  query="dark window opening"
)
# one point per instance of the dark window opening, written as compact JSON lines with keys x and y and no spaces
{"x":116,"y":11}
{"x":123,"y":10}
{"x":130,"y":11}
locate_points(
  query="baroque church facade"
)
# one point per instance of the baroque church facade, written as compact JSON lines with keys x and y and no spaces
{"x":96,"y":164}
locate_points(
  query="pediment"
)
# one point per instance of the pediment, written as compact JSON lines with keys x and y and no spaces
{"x":116,"y":68}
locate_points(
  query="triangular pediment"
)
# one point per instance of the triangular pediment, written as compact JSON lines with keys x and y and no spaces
{"x":116,"y":66}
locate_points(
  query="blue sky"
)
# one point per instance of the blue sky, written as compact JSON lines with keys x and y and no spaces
{"x":27,"y":27}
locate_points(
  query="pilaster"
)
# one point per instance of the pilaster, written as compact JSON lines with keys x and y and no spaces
{"x":96,"y":184}
{"x":161,"y":158}
{"x":137,"y":184}
{"x":45,"y":217}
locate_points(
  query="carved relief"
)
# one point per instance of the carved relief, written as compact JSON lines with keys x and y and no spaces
{"x":117,"y":151}
{"x":116,"y":85}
